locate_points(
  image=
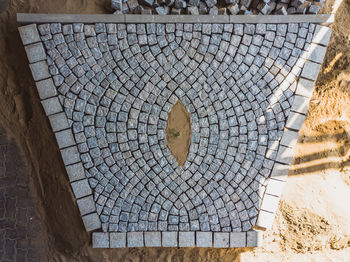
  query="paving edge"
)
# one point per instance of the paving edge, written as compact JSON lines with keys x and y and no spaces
{"x":28,"y":18}
{"x":313,"y":59}
{"x":177,"y":239}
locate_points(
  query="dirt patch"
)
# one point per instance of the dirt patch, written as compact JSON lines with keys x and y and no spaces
{"x":178,"y":132}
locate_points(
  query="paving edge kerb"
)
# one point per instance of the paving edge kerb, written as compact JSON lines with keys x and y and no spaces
{"x":177,"y":239}
{"x":82,"y":191}
{"x":24,"y":18}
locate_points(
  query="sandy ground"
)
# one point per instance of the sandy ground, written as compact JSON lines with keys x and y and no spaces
{"x":312,"y":223}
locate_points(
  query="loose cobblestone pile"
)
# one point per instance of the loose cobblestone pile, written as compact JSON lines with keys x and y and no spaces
{"x":214,"y":7}
{"x":117,"y":84}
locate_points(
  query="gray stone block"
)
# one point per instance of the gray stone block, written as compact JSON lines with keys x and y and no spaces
{"x":322,"y":35}
{"x":285,"y":155}
{"x":221,"y":240}
{"x":29,"y":34}
{"x":51,"y":106}
{"x":39,"y":70}
{"x":305,"y":87}
{"x":100,"y":240}
{"x":81,"y":188}
{"x":310,"y":70}
{"x":46,"y":88}
{"x":91,"y":222}
{"x":289,"y":138}
{"x":70,"y":155}
{"x":58,"y":121}
{"x":295,"y":121}
{"x":238,"y":239}
{"x":280,"y":171}
{"x":300,"y":104}
{"x":117,"y":240}
{"x":252,"y":239}
{"x":86,"y":205}
{"x":65,"y":138}
{"x":186,"y":239}
{"x":153,"y":239}
{"x":135,"y":239}
{"x":169,"y":239}
{"x":275,"y":187}
{"x":316,"y":53}
{"x":204,"y":239}
{"x":75,"y":172}
{"x":35,"y":52}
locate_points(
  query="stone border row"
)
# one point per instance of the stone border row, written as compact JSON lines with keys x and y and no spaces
{"x":60,"y":126}
{"x":305,"y":86}
{"x":177,"y":239}
{"x":242,"y":19}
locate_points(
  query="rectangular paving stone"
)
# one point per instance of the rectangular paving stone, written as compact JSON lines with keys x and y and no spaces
{"x":86,"y":205}
{"x":100,"y":240}
{"x":91,"y":222}
{"x":238,"y":239}
{"x":275,"y":187}
{"x":35,"y":52}
{"x":186,"y":239}
{"x":46,"y":88}
{"x":252,"y":239}
{"x":117,"y":240}
{"x":75,"y":172}
{"x":65,"y":138}
{"x":295,"y":121}
{"x":29,"y":34}
{"x":70,"y":155}
{"x":51,"y":106}
{"x":81,"y":188}
{"x":285,"y":155}
{"x":280,"y":171}
{"x":58,"y":121}
{"x":39,"y":70}
{"x":265,"y":219}
{"x":316,"y":53}
{"x":221,"y":239}
{"x":153,"y":239}
{"x":135,"y":239}
{"x":289,"y":138}
{"x":204,"y":239}
{"x":270,"y":203}
{"x":305,"y":87}
{"x":310,"y":70}
{"x":169,"y":239}
{"x":322,"y":35}
{"x":300,"y":104}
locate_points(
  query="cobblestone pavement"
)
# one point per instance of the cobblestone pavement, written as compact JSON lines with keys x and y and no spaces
{"x":117,"y":83}
{"x":20,"y":232}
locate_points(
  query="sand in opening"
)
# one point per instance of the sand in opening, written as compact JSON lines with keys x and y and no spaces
{"x":178,"y":132}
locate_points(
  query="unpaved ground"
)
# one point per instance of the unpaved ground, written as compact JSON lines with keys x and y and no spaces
{"x":313,"y":220}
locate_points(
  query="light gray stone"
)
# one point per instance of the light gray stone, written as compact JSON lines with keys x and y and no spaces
{"x":51,"y":106}
{"x":91,"y":222}
{"x":265,"y":219}
{"x":289,"y":138}
{"x":316,"y":53}
{"x":300,"y":104}
{"x":86,"y":205}
{"x":204,"y":239}
{"x":29,"y":34}
{"x":75,"y":172}
{"x":295,"y":121}
{"x":46,"y":88}
{"x":70,"y":155}
{"x":305,"y":87}
{"x":58,"y":121}
{"x":81,"y":188}
{"x":186,"y":239}
{"x":238,"y":239}
{"x":275,"y":187}
{"x":65,"y":138}
{"x":39,"y":70}
{"x":269,"y":203}
{"x":311,"y":70}
{"x":117,"y":240}
{"x":280,"y":171}
{"x":35,"y":52}
{"x":322,"y":35}
{"x":135,"y":239}
{"x":153,"y":239}
{"x":285,"y":155}
{"x":221,"y":240}
{"x":169,"y":239}
{"x":100,"y":240}
{"x":252,"y":239}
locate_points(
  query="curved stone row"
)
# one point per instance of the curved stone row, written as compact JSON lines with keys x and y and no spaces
{"x":117,"y":84}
